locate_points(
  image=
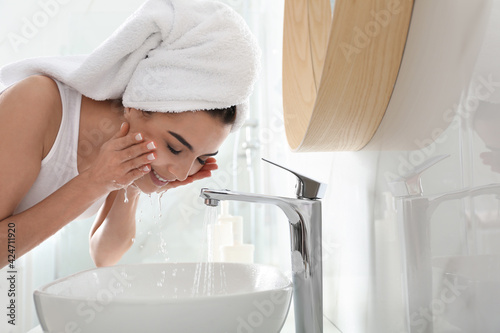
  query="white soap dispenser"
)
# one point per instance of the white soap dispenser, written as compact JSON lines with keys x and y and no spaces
{"x":237,"y":251}
{"x":220,"y":233}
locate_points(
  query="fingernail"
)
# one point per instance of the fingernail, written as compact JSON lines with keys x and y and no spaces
{"x":151,"y":157}
{"x":123,"y":124}
{"x":145,"y":168}
{"x":151,"y":145}
{"x":138,"y":137}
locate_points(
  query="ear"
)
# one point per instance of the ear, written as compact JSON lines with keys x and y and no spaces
{"x":127,"y":113}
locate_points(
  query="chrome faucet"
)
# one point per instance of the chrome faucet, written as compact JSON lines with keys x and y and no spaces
{"x":304,"y":216}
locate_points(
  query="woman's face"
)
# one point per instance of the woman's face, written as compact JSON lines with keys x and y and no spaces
{"x":183,"y":142}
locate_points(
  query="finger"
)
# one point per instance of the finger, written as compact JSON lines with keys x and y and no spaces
{"x":137,"y":173}
{"x":130,"y":177}
{"x":210,"y":160}
{"x":124,"y":128}
{"x":138,"y":162}
{"x":210,"y":166}
{"x":126,"y":141}
{"x":200,"y":175}
{"x":138,"y":150}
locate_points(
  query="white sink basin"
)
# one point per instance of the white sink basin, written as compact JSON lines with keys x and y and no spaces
{"x":180,"y":298}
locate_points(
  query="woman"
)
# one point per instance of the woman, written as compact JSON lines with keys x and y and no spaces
{"x":145,"y":112}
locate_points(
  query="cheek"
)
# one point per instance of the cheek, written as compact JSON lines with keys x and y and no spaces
{"x":195,"y":168}
{"x":139,"y":125}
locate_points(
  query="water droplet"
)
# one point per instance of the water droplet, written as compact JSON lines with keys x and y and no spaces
{"x":159,"y":203}
{"x":125,"y":195}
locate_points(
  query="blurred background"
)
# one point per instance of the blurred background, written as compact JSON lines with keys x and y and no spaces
{"x":364,"y":246}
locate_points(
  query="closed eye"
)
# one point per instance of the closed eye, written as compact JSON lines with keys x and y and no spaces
{"x":175,"y":152}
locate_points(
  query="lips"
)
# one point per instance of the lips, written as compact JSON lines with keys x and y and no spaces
{"x":157,"y":179}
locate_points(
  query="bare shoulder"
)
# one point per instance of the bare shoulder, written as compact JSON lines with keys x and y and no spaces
{"x":36,"y":90}
{"x":32,"y":107}
{"x":30,"y":114}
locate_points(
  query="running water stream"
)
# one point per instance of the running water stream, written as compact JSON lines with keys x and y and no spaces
{"x":209,"y":277}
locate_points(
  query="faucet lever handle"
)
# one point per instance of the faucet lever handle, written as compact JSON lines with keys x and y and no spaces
{"x":307,"y":188}
{"x":410,"y":183}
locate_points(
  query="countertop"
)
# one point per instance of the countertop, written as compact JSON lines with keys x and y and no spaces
{"x":289,"y":326}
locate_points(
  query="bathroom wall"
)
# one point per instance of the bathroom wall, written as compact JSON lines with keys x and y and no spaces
{"x":367,"y":266}
{"x":363,"y":249}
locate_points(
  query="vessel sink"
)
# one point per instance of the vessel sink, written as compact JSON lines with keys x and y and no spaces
{"x":167,"y":297}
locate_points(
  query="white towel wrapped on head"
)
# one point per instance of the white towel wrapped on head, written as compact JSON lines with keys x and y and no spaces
{"x":168,"y":56}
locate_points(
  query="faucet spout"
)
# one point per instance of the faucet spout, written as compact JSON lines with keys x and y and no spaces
{"x":304,"y":216}
{"x":286,"y":204}
{"x":212,"y":202}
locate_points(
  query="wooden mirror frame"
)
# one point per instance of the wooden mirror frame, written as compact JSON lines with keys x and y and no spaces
{"x":339,"y":75}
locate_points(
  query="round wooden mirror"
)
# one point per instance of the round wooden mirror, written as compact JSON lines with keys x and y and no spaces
{"x":339,"y":74}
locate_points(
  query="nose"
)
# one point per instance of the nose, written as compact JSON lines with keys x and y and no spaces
{"x":180,"y":170}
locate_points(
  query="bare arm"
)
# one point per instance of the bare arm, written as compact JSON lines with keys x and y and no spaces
{"x":27,"y":111}
{"x":114,"y":228}
{"x":38,"y":223}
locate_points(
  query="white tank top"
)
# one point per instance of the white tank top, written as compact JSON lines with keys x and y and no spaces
{"x":60,"y":164}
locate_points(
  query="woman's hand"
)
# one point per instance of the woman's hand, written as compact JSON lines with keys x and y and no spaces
{"x":121,"y":160}
{"x":204,"y":172}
